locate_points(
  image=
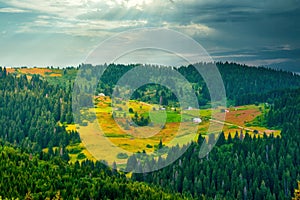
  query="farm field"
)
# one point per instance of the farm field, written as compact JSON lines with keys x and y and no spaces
{"x":40,"y":71}
{"x":241,"y":119}
{"x":54,"y":76}
{"x":113,"y":130}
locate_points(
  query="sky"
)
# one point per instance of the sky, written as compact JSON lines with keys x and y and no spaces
{"x":63,"y":33}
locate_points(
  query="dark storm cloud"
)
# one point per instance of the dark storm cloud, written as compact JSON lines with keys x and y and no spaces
{"x":249,"y":28}
{"x":239,"y":23}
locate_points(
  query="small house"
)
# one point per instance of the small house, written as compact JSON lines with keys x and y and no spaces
{"x":197,"y":120}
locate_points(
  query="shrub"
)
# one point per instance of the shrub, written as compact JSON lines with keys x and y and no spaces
{"x":74,"y":151}
{"x":83,"y":123}
{"x":81,"y":156}
{"x":149,"y":146}
{"x":122,"y":156}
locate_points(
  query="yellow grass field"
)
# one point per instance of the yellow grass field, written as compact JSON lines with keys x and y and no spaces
{"x":10,"y":70}
{"x":55,"y":75}
{"x":41,"y":71}
{"x":107,"y":136}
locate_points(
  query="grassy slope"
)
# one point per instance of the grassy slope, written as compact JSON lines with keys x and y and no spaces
{"x":141,"y":138}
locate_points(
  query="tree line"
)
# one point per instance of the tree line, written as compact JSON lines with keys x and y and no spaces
{"x":26,"y":176}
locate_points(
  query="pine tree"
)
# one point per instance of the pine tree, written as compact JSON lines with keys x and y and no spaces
{"x":160,"y":145}
{"x":28,"y":196}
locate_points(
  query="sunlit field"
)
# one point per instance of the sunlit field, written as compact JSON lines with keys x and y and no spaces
{"x":118,"y":133}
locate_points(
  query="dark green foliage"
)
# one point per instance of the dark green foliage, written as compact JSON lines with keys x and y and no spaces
{"x":243,"y":84}
{"x":30,"y":111}
{"x":285,"y":109}
{"x":81,"y":156}
{"x":140,"y":120}
{"x":149,"y":146}
{"x":160,"y":145}
{"x":75,"y":150}
{"x":130,"y":110}
{"x":69,"y":74}
{"x":23,"y":175}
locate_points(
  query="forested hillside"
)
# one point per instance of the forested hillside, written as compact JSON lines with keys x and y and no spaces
{"x":242,"y":81}
{"x":242,"y":168}
{"x":286,"y":110}
{"x":243,"y":84}
{"x":25,"y":176}
{"x":35,"y":110}
{"x":30,"y":110}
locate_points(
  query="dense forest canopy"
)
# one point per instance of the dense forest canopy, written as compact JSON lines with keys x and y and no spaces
{"x":30,"y":111}
{"x":29,"y":177}
{"x":241,"y":82}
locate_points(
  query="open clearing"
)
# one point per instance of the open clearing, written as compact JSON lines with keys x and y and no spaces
{"x":40,"y":71}
{"x":118,"y":135}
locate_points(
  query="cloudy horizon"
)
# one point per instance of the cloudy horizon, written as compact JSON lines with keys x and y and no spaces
{"x":62,"y":33}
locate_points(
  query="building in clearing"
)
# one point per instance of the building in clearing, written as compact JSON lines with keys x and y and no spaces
{"x":101,"y":95}
{"x":197,"y":120}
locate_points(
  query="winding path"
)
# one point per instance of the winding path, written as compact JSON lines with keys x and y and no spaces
{"x":229,"y":124}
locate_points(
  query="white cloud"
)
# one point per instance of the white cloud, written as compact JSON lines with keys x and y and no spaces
{"x":191,"y":29}
{"x":74,"y":8}
{"x":284,"y":47}
{"x":67,"y":9}
{"x":65,"y":16}
{"x":265,"y":62}
{"x":138,"y":4}
{"x":12,"y":10}
{"x":233,"y":56}
{"x":77,"y":27}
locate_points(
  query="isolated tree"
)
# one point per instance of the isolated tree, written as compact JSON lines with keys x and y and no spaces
{"x":130,"y":110}
{"x":160,"y":145}
{"x":131,"y":163}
